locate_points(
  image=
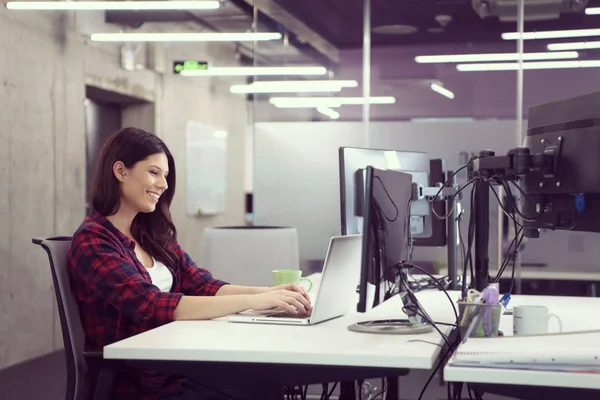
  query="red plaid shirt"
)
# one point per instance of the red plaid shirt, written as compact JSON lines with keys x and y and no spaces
{"x":117,"y":299}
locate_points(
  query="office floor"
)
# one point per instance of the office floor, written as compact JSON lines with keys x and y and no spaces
{"x":43,"y":378}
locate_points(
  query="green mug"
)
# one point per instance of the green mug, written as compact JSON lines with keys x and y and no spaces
{"x":285,"y":276}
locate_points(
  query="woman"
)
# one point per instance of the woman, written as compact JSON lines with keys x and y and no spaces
{"x":129,"y":274}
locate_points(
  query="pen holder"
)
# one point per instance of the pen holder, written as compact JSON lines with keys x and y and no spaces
{"x":479,"y":319}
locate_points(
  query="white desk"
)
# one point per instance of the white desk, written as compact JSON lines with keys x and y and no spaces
{"x":297,"y":355}
{"x":575,"y":313}
{"x":547,"y":273}
{"x":329,"y":343}
{"x":550,"y":274}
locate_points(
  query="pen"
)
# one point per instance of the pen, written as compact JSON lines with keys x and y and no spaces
{"x":505,"y":299}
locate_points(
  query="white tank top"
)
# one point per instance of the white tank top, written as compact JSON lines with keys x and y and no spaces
{"x":161,"y":276}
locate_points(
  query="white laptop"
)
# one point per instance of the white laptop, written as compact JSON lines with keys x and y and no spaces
{"x":341,"y":272}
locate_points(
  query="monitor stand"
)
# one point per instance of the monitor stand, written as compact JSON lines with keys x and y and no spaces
{"x":416,"y":323}
{"x":391,"y":327}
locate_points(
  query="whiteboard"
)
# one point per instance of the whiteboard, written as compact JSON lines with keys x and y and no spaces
{"x":206,"y":169}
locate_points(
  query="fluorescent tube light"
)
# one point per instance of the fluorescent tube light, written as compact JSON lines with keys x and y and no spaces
{"x":185,"y":37}
{"x":257,"y":71}
{"x":592,"y":11}
{"x":552,"y":34}
{"x":113,"y":5}
{"x":450,"y":58}
{"x":442,"y":119}
{"x":293,"y":86}
{"x":312,"y":102}
{"x":442,"y":90}
{"x":574,"y":46}
{"x":328,"y":112}
{"x":529,"y":65}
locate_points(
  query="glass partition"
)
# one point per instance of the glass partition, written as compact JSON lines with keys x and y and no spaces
{"x":307,"y":101}
{"x":560,"y":61}
{"x":432,"y":59}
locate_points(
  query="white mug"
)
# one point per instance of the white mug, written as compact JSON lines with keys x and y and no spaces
{"x":532,"y":320}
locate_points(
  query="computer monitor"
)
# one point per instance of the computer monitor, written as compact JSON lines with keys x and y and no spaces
{"x":386,"y":240}
{"x":569,"y":197}
{"x":426,"y":231}
{"x":557,"y":171}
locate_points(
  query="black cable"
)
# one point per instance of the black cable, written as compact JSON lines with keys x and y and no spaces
{"x":458,"y":388}
{"x":512,"y":275}
{"x":511,"y":252}
{"x":383,"y":389}
{"x":516,"y":208}
{"x":325,"y":389}
{"x":377,"y":245}
{"x":437,"y":284}
{"x":440,"y":362}
{"x":470,"y":391}
{"x":476,"y":394}
{"x":461,"y":240}
{"x":400,"y":267}
{"x":503,"y":208}
{"x":509,"y":256}
{"x":391,"y":200}
{"x":451,"y":177}
{"x":425,"y":341}
{"x":470,"y":239}
{"x":519,"y":235}
{"x":331,"y":391}
{"x":446,"y":324}
{"x":432,"y":323}
{"x":452,"y":200}
{"x":512,"y":257}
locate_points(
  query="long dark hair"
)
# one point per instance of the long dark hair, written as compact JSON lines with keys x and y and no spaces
{"x":154,"y":231}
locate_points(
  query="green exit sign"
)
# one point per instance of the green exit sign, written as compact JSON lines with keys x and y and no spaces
{"x":189,"y":65}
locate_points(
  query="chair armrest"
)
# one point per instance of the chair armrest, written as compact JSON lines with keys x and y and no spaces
{"x":93,"y":355}
{"x":39,"y":241}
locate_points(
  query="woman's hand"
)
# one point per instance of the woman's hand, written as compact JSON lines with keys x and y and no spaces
{"x":289,"y":300}
{"x":292,"y":287}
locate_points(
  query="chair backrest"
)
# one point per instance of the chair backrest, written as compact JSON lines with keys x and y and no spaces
{"x":247,"y":255}
{"x":78,"y":385}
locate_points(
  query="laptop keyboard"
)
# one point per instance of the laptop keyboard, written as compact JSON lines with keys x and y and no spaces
{"x":287,"y":314}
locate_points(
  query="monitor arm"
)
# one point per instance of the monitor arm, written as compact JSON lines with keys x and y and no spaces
{"x":448,"y":194}
{"x":517,"y":163}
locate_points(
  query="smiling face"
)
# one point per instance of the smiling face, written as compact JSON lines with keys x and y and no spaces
{"x":143,"y":184}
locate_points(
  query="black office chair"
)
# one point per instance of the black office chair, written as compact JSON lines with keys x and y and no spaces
{"x":89,"y":376}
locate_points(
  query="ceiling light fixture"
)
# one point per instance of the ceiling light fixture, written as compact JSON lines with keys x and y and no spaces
{"x":574,"y":46}
{"x":332,"y":102}
{"x":256,"y":71}
{"x":529,"y":65}
{"x":328,"y":112}
{"x":441,"y":90}
{"x":185,"y":37}
{"x":113,"y":5}
{"x":293,"y":86}
{"x":454,"y":58}
{"x":592,"y":11}
{"x":552,"y":34}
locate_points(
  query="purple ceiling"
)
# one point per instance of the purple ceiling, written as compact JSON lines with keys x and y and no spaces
{"x":341,"y":21}
{"x":477,"y":94}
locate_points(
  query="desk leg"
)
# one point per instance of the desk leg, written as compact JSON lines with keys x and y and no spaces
{"x":392,"y":388}
{"x":347,"y":390}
